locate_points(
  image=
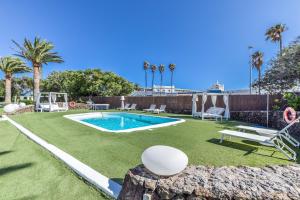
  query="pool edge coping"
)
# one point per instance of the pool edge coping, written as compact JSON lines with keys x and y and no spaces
{"x":71,"y":117}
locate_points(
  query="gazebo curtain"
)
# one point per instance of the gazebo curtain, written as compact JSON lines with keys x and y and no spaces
{"x":66,"y":100}
{"x":226,"y":102}
{"x":204,"y":98}
{"x":194,"y":106}
{"x":214,"y":100}
{"x":53,"y":96}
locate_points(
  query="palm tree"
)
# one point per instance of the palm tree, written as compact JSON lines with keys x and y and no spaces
{"x":257,"y":62}
{"x":38,"y":52}
{"x":153,"y":69}
{"x":161,"y":69}
{"x":172,"y":68}
{"x":146,"y":67}
{"x":11,"y":65}
{"x":274,"y":34}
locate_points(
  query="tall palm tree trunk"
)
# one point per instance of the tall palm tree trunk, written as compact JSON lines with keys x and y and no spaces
{"x":145,"y":83}
{"x":8,"y":89}
{"x":161,"y":80}
{"x":259,"y":78}
{"x":171,"y":82}
{"x":36,"y":80}
{"x":152,"y":83}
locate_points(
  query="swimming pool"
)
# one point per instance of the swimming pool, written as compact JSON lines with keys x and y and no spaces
{"x":122,"y":122}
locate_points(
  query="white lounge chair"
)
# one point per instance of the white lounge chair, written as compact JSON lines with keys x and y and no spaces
{"x":275,"y":141}
{"x":132,"y":107}
{"x":212,"y":112}
{"x":160,"y":110}
{"x":151,"y":108}
{"x":272,"y":132}
{"x":43,"y":107}
{"x":125,"y":107}
{"x":51,"y":108}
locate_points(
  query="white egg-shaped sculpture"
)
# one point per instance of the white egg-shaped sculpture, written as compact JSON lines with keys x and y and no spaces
{"x":22,"y":105}
{"x":10,"y":108}
{"x":164,"y":160}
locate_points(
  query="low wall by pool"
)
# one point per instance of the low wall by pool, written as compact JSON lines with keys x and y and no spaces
{"x":203,"y":182}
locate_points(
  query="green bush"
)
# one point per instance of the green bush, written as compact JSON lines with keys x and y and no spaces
{"x":292,"y":100}
{"x":277,"y":105}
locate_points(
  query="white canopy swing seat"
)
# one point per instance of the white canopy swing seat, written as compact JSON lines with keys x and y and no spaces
{"x":212,"y":112}
{"x":51,"y":104}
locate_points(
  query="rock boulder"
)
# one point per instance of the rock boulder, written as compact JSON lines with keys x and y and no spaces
{"x":201,"y":182}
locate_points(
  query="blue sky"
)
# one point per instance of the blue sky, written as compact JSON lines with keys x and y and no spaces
{"x":206,"y":39}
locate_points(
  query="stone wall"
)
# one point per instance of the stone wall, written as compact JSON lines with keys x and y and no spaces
{"x":79,"y":106}
{"x":260,"y":118}
{"x":200,"y":182}
{"x":29,"y":108}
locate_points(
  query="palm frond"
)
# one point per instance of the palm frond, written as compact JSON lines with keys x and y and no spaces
{"x":153,"y":68}
{"x":146,"y":65}
{"x":38,"y":52}
{"x":172,"y":67}
{"x":11,"y":65}
{"x":161,"y":68}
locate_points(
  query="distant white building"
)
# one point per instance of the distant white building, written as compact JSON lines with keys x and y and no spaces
{"x":216,"y":88}
{"x":163,"y":90}
{"x":26,"y":95}
{"x":242,"y":91}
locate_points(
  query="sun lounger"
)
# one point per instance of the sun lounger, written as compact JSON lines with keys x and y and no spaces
{"x":261,"y":131}
{"x":248,"y":136}
{"x":151,"y":109}
{"x":212,"y":112}
{"x":43,"y":107}
{"x":132,"y":107}
{"x":275,"y":141}
{"x":125,"y":107}
{"x":160,"y":110}
{"x":271,"y":132}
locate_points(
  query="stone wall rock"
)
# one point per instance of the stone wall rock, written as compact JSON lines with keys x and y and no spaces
{"x":202,"y":182}
{"x":79,"y":106}
{"x":29,"y":108}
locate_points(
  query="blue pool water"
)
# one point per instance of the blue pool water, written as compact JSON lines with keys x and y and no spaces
{"x":125,"y":121}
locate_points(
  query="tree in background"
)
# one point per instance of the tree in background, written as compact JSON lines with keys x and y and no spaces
{"x":11,"y":65}
{"x":146,"y":67}
{"x":2,"y":90}
{"x":19,"y":86}
{"x":257,"y":61}
{"x":283,"y":72}
{"x":274,"y":34}
{"x":153,"y":69}
{"x":90,"y":82}
{"x":161,"y":69}
{"x":172,"y":68}
{"x":38,"y":52}
{"x":22,"y":85}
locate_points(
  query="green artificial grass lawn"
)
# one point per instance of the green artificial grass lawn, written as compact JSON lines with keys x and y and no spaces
{"x":29,"y":172}
{"x":112,"y":154}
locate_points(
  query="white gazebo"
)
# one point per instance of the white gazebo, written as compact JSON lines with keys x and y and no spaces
{"x":52,"y":102}
{"x":213,"y":100}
